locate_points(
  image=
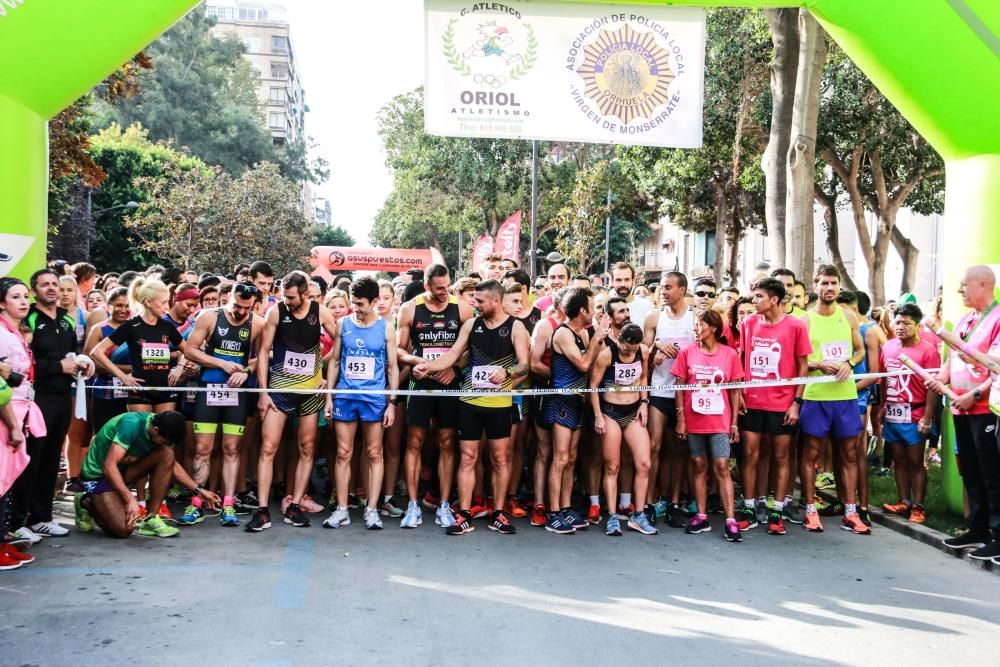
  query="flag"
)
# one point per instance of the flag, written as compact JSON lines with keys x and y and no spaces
{"x":482,"y":250}
{"x":508,"y":243}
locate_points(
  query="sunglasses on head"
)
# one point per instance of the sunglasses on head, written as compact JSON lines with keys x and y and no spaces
{"x":246,"y":290}
{"x":705,"y":294}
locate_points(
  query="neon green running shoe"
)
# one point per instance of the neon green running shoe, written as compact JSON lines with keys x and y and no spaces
{"x":84,"y":522}
{"x":155,"y":526}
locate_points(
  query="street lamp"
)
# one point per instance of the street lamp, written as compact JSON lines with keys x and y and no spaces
{"x":92,"y":215}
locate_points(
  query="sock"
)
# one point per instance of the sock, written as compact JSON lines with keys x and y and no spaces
{"x":595,"y":500}
{"x":701,"y":517}
{"x":810,"y":507}
{"x":788,"y":500}
{"x":196,"y":501}
{"x":730,"y":520}
{"x":849,"y":509}
{"x":778,"y":506}
{"x":748,"y":503}
{"x":227,"y":501}
{"x":624,"y":499}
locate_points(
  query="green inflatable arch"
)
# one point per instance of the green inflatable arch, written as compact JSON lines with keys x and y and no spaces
{"x":938,"y":61}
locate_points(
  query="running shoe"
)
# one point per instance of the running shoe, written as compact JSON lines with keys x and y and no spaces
{"x":918,"y":514}
{"x":812,"y":523}
{"x":747,"y":519}
{"x":902,"y":509}
{"x":478,"y":509}
{"x":538,"y":516}
{"x":760,"y":507}
{"x":239,"y":507}
{"x":639,"y":522}
{"x":353,"y":502}
{"x":49,"y":529}
{"x":155,"y":526}
{"x":714,"y":504}
{"x":775,"y":526}
{"x":489,"y":506}
{"x":84,"y":522}
{"x":572,"y":518}
{"x":825,"y":480}
{"x":662,"y":508}
{"x":164,"y":512}
{"x":7,"y":562}
{"x":833,"y":509}
{"x":988,"y":551}
{"x":25,"y":534}
{"x":443,"y":516}
{"x":501,"y":524}
{"x":732,"y":532}
{"x":261,"y":521}
{"x":650,"y":513}
{"x":372,"y":520}
{"x":558,"y":524}
{"x":970,"y":539}
{"x":514,"y":508}
{"x":14,"y":553}
{"x":389,"y":509}
{"x":191,"y":516}
{"x":626,"y":511}
{"x":614,"y":528}
{"x":594,"y":514}
{"x":462,"y":525}
{"x":430,"y":502}
{"x":697,"y":525}
{"x":338,"y":518}
{"x":854,"y":524}
{"x":73,"y":485}
{"x":310,"y":506}
{"x":792,"y":513}
{"x":691,"y":507}
{"x":296,"y":517}
{"x":228,"y":517}
{"x":175,"y":493}
{"x":413,"y":517}
{"x":248,"y":499}
{"x":676,"y":516}
{"x":866,"y":517}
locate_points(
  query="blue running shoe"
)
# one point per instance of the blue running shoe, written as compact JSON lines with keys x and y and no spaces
{"x":661,"y":507}
{"x":443,"y":516}
{"x":228,"y":517}
{"x":413,"y":517}
{"x":572,"y":518}
{"x":557,"y":524}
{"x":191,"y":516}
{"x":614,"y":529}
{"x":640,"y":522}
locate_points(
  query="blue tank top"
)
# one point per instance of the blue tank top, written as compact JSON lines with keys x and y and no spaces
{"x":564,"y":374}
{"x":362,"y":358}
{"x":864,"y":395}
{"x":104,"y":384}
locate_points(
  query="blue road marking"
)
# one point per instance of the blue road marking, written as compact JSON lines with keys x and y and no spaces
{"x":296,"y":568}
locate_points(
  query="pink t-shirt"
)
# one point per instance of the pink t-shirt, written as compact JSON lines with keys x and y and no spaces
{"x":707,"y":410}
{"x":771,"y":352}
{"x":543,"y":304}
{"x":964,"y":377}
{"x":907,"y":389}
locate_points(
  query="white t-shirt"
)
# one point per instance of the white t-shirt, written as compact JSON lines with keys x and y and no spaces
{"x":679,"y":332}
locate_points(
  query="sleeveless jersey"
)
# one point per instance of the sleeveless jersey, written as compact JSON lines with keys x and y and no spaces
{"x":362,"y":358}
{"x":680,"y":332}
{"x":830,"y":336}
{"x":489,"y":349}
{"x":619,"y":373}
{"x":433,"y":335}
{"x":106,"y":386}
{"x":862,"y":367}
{"x":227,"y":342}
{"x":547,"y":355}
{"x":564,"y":374}
{"x":296,"y":362}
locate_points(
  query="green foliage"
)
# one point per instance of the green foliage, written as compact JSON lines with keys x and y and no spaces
{"x":333,"y":236}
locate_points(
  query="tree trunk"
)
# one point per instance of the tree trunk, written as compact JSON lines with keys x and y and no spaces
{"x":721,"y":227}
{"x":735,"y":235}
{"x":831,"y":226}
{"x":799,"y":234}
{"x":910,"y":255}
{"x":876,"y":279}
{"x":785,"y":37}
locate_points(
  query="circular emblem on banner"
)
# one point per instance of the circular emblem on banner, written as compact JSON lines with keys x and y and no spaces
{"x":337,"y":258}
{"x":626,"y":73}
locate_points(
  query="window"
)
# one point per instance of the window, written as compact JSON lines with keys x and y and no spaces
{"x":252,"y":44}
{"x":709,"y":248}
{"x":278,"y":96}
{"x":221,"y":13}
{"x":253,"y":14}
{"x":279,"y":70}
{"x":279,"y":44}
{"x":277,"y":121}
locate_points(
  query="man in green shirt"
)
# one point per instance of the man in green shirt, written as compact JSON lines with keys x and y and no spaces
{"x":131,"y":446}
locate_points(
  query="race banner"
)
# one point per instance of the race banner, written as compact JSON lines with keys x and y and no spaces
{"x":562,"y":71}
{"x":328,"y":260}
{"x":508,"y":243}
{"x":480,"y":251}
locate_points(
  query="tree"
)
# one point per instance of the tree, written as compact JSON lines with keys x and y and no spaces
{"x":206,"y":220}
{"x":334,"y":236}
{"x":880,"y":162}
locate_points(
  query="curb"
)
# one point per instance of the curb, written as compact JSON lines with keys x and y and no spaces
{"x":921,"y":533}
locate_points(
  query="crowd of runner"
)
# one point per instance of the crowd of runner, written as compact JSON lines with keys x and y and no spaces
{"x":210,"y":391}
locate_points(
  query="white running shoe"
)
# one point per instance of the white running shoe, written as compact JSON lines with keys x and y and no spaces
{"x":50,"y":529}
{"x":338,"y":518}
{"x":372,"y":520}
{"x":25,"y":534}
{"x":444,"y":517}
{"x":413,"y":517}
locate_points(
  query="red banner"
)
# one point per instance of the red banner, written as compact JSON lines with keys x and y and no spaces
{"x":508,"y":243}
{"x":480,"y":251}
{"x":327,"y":260}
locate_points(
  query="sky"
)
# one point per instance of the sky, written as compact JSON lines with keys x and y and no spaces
{"x":353,"y":58}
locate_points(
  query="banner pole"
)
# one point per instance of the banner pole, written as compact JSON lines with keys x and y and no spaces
{"x":534,"y":208}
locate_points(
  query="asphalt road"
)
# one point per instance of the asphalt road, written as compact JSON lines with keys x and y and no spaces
{"x":352,"y":597}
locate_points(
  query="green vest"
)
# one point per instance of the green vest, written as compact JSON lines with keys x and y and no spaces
{"x":832,"y":335}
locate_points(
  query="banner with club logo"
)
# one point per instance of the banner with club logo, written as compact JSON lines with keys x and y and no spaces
{"x":560,"y":71}
{"x":508,"y":242}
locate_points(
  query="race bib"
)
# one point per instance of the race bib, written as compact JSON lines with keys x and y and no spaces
{"x":299,"y":364}
{"x":837,"y":351}
{"x":898,"y":413}
{"x":359,"y":368}
{"x":118,"y":389}
{"x":627,"y":374}
{"x":481,"y":377}
{"x":764,"y":361}
{"x":220,"y":395}
{"x":155,"y":354}
{"x":432,"y":353}
{"x":708,"y":402}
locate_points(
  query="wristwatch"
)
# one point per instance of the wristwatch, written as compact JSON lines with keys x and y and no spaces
{"x":978,"y":395}
{"x":644,"y":400}
{"x":800,"y":400}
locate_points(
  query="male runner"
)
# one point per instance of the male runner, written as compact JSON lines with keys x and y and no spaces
{"x":494,"y":267}
{"x":428,"y":327}
{"x":787,"y":278}
{"x":541,"y":372}
{"x":831,"y":409}
{"x":573,"y":353}
{"x":498,"y":358}
{"x":365,"y":360}
{"x":775,"y":347}
{"x":558,"y":276}
{"x":292,"y":328}
{"x":228,"y":335}
{"x":130,"y":446}
{"x":665,"y":333}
